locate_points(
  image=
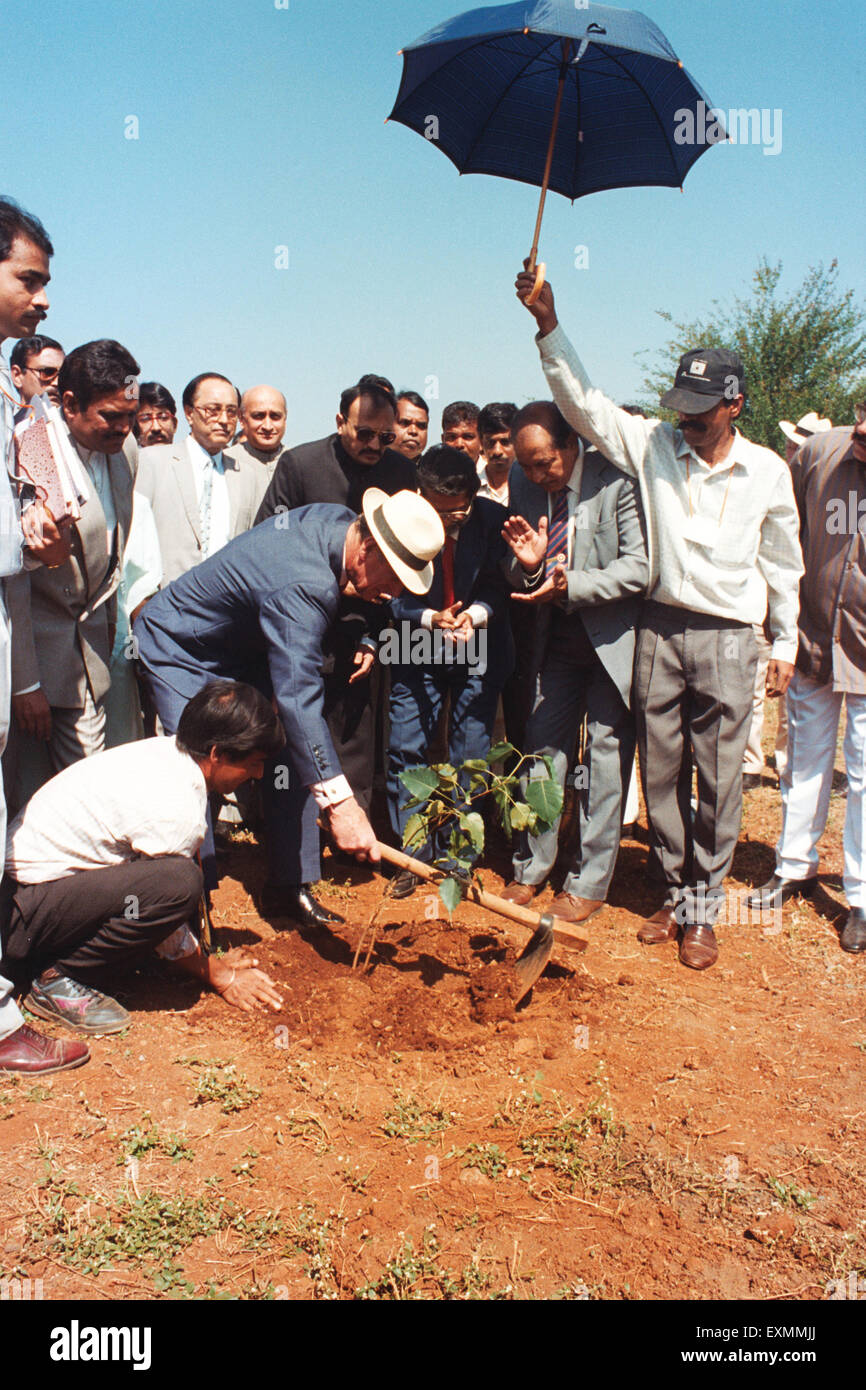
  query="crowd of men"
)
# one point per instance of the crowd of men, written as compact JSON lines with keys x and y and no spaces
{"x":226,"y":610}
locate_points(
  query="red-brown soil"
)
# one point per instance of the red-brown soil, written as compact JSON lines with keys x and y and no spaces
{"x":632,"y":1130}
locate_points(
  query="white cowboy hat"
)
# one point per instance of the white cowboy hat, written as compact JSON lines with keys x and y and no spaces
{"x":408,"y":532}
{"x":805,"y":428}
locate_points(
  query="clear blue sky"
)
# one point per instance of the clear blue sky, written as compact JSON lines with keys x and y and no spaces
{"x":261,"y":127}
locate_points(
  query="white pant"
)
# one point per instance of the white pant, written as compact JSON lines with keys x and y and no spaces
{"x":813,"y":722}
{"x":10,"y":1015}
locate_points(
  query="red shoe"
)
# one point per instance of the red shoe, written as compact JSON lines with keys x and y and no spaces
{"x":33,"y":1054}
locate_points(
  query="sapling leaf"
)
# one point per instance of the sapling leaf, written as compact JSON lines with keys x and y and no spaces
{"x":420,"y":782}
{"x":451,"y":893}
{"x":545,"y":798}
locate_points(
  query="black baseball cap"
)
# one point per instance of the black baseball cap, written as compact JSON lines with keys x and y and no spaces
{"x":705,"y":377}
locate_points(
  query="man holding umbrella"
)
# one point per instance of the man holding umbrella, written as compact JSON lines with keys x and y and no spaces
{"x":723,"y":539}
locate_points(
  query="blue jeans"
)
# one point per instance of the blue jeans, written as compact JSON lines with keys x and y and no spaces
{"x":417,"y":694}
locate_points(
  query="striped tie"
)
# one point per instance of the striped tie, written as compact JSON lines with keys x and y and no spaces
{"x":557,"y":534}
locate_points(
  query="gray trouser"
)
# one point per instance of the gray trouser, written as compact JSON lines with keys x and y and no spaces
{"x":29,"y":762}
{"x":573,"y":682}
{"x":694,"y":684}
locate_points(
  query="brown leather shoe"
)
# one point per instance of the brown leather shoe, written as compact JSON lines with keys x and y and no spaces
{"x":519,"y":893}
{"x":699,"y":948}
{"x":572,"y":909}
{"x":662,"y":926}
{"x":33,"y":1054}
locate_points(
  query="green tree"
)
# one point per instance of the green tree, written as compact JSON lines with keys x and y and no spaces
{"x":802,"y":351}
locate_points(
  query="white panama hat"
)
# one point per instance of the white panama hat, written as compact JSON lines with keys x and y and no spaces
{"x":805,"y":428}
{"x":408,"y":532}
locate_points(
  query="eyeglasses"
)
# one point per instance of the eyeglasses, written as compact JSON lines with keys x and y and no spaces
{"x":860,"y":412}
{"x":366,"y":436}
{"x":149,"y":417}
{"x":45,"y":374}
{"x":214,"y":412}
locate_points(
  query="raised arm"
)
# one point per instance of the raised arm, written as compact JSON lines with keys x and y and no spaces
{"x":621,"y":437}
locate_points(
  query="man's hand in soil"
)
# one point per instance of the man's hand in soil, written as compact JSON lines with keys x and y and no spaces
{"x":352,"y":831}
{"x":543,"y":310}
{"x":528,"y":547}
{"x":33,"y":714}
{"x":779,"y":676}
{"x":554,"y":587}
{"x":234,"y":976}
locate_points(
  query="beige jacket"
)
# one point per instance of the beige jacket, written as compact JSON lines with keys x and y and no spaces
{"x":63,"y":619}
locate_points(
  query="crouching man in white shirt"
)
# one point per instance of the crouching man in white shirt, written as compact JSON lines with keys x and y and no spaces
{"x":100,"y":863}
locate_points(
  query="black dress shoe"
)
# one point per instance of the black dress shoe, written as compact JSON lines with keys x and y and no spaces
{"x":298,"y":903}
{"x":403,"y":885}
{"x":853,"y":936}
{"x":777,"y":891}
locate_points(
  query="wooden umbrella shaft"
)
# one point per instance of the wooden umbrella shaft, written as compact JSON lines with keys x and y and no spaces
{"x":566,"y":53}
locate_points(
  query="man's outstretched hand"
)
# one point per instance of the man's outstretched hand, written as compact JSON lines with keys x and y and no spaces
{"x":529,"y":547}
{"x":543,"y":310}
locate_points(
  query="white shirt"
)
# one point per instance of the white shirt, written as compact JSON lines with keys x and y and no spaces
{"x":487,"y":489}
{"x":145,"y":798}
{"x":10,"y":526}
{"x":220,"y":512}
{"x":723,"y":540}
{"x":99,"y":478}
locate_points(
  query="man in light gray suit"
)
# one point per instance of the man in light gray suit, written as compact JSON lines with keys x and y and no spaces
{"x":202,"y":496}
{"x":63,"y":617}
{"x":579,"y":546}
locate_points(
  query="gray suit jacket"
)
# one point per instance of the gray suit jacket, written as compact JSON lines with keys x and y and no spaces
{"x":165,"y":478}
{"x":63,"y":619}
{"x":608,"y":574}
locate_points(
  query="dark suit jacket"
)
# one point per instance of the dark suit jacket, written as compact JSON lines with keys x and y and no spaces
{"x":478,"y":578}
{"x":608,"y":573}
{"x":258,"y":611}
{"x":324,"y":472}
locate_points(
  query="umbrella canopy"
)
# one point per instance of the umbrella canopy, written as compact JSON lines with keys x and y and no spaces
{"x":483,"y":87}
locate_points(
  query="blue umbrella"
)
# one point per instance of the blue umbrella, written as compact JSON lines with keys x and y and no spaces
{"x":576,"y":98}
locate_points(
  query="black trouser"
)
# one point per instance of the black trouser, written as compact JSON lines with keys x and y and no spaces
{"x":98,"y":920}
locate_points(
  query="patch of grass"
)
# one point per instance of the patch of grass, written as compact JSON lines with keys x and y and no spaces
{"x":245,"y":1165}
{"x":313,"y":1236}
{"x":791,"y":1195}
{"x":410,"y":1119}
{"x":37,"y":1093}
{"x":577,"y":1146}
{"x":488,"y":1158}
{"x":419,"y":1274}
{"x":222,"y":1083}
{"x":144,"y":1138}
{"x":148,"y":1233}
{"x":355,"y":1179}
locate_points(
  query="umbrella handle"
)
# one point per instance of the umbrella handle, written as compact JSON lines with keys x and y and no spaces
{"x":538,"y":286}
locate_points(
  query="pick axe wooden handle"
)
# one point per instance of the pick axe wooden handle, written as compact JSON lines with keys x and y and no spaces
{"x":571,"y":935}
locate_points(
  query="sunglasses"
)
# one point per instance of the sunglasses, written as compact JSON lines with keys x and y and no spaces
{"x":366,"y":436}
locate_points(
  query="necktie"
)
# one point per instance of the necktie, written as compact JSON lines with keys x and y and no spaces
{"x":448,"y":571}
{"x":204,"y":507}
{"x":557,"y":533}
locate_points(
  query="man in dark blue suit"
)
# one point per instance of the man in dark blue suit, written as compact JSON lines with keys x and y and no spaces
{"x":259,"y":610}
{"x":456,"y":639}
